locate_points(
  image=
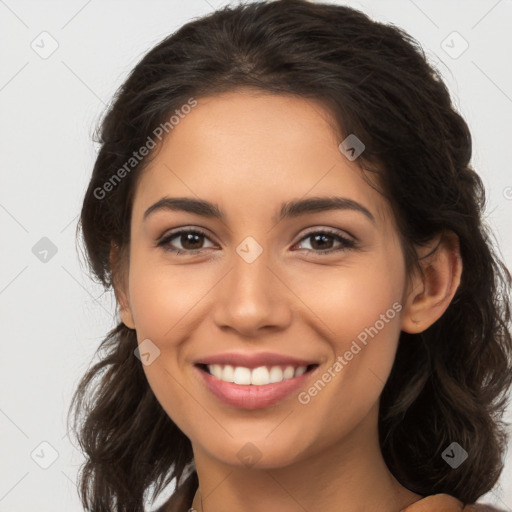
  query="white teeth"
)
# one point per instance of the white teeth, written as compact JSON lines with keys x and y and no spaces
{"x":276,"y":374}
{"x":216,"y":369}
{"x":260,"y":376}
{"x":300,"y":370}
{"x":257,"y":377}
{"x":288,"y":372}
{"x":242,"y":375}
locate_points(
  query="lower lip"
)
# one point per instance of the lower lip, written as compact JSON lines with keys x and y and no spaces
{"x":250,"y":396}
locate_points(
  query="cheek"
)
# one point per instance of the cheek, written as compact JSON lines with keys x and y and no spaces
{"x":162,"y":300}
{"x":349,"y":298}
{"x":357,"y":310}
{"x":163,"y":297}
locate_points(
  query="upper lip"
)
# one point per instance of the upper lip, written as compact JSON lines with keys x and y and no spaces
{"x":254,"y":360}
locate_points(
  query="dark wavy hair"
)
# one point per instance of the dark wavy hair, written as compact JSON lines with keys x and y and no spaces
{"x":448,"y":383}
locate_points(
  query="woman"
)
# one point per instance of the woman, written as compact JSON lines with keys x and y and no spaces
{"x":312,"y":316}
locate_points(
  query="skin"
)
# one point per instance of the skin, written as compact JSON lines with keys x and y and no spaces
{"x":248,"y":152}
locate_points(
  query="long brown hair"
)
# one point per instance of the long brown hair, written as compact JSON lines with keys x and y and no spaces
{"x":448,"y":383}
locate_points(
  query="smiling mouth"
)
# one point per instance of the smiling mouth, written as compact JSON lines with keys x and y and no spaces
{"x":260,"y":376}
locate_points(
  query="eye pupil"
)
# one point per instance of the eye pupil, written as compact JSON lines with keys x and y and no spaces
{"x":321,"y":245}
{"x":189,"y":238}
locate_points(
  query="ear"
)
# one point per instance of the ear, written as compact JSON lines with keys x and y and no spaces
{"x":118,"y":264}
{"x":431,"y":294}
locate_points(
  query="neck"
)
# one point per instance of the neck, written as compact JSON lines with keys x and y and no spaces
{"x":351,"y":475}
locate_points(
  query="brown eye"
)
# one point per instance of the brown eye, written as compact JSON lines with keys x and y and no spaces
{"x":322,"y":242}
{"x":190,"y":240}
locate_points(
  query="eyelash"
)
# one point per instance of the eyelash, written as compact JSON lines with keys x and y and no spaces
{"x":347,"y":243}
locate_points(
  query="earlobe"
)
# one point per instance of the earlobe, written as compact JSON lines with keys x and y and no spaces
{"x":124,"y":310}
{"x":433,"y":292}
{"x":126,"y":317}
{"x":119,"y":283}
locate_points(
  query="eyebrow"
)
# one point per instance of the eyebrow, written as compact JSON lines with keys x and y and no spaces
{"x":289,"y":209}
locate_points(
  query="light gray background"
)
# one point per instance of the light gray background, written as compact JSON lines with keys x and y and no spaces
{"x":52,"y":315}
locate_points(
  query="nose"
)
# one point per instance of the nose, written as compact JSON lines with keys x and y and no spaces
{"x":252,"y":298}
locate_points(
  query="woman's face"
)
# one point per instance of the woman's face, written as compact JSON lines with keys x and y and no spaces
{"x":261,"y":282}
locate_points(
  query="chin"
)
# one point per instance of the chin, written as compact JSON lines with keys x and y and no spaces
{"x":255,"y":453}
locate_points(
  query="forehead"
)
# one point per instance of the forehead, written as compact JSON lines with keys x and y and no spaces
{"x":249,"y":150}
